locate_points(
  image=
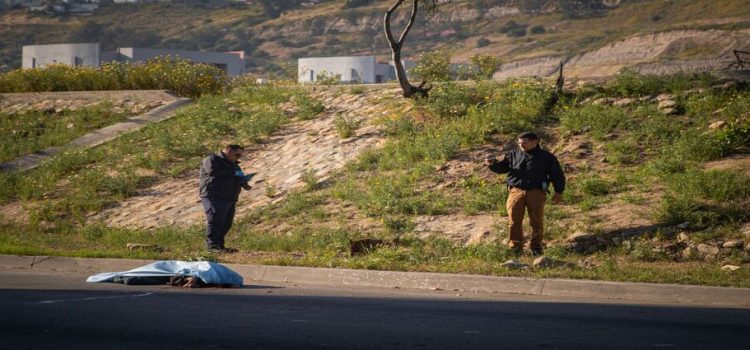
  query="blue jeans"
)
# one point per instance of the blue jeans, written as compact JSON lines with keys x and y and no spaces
{"x":219,"y":217}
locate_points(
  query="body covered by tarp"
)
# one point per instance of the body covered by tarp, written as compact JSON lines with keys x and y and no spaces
{"x":208,"y":272}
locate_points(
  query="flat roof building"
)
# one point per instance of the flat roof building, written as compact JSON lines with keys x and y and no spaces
{"x":349,"y":69}
{"x":35,"y":56}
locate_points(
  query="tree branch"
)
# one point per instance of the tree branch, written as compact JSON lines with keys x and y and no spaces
{"x":387,"y":22}
{"x":414,"y":9}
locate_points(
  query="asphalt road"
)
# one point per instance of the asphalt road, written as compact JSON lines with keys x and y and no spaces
{"x":60,"y":311}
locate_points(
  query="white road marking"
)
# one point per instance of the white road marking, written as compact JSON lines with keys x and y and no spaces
{"x":94,"y":298}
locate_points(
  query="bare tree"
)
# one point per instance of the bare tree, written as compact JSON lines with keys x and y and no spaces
{"x":396,"y":45}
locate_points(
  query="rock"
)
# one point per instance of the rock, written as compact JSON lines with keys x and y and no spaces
{"x":664,"y":97}
{"x":581,"y":237}
{"x":718,"y":111}
{"x":604,"y":101}
{"x":478,"y":237}
{"x":667,"y":104}
{"x":70,"y":126}
{"x":734,"y":244}
{"x":669,"y":111}
{"x":717,"y":125}
{"x":689,"y":253}
{"x":623,"y":102}
{"x":730,"y":268}
{"x":710,"y":257}
{"x":590,"y":262}
{"x":728,"y":85}
{"x":546,"y":262}
{"x":515,"y":265}
{"x":683,"y":237}
{"x":708,"y":249}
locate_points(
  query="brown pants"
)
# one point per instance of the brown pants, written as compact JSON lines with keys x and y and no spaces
{"x":518,"y":202}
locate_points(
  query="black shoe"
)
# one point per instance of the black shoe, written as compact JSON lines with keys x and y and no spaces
{"x":537,"y":251}
{"x":229,"y":250}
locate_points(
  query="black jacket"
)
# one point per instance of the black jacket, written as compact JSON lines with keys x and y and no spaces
{"x":530,"y":170}
{"x":218,"y":178}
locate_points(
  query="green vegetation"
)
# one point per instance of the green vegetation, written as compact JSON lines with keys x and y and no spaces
{"x":31,"y":131}
{"x":346,"y":127}
{"x":433,"y":66}
{"x":79,"y":182}
{"x":637,"y":156}
{"x":164,"y":73}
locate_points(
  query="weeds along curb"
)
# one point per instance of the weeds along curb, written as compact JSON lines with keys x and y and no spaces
{"x":595,"y":290}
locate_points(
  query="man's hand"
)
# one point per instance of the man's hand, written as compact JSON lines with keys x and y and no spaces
{"x":490,"y":161}
{"x":557,"y":198}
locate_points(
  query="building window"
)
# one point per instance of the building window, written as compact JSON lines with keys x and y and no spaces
{"x":77,"y":61}
{"x":33,"y":62}
{"x":378,"y":79}
{"x":312,"y":75}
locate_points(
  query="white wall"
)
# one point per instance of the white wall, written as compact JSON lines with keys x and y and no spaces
{"x":351,"y":68}
{"x":230,"y":62}
{"x":35,"y":56}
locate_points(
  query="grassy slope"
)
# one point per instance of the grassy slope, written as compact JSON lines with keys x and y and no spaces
{"x":383,"y":192}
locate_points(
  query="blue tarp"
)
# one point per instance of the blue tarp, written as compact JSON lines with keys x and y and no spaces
{"x":208,"y":272}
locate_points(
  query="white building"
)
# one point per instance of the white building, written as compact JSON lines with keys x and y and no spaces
{"x":349,"y":69}
{"x":36,"y":56}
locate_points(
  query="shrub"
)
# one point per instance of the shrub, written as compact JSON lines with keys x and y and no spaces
{"x":310,"y":179}
{"x":449,"y":100}
{"x":706,"y":198}
{"x":486,"y":65}
{"x":599,"y":120}
{"x":181,"y":76}
{"x":327,"y":78}
{"x":482,"y":42}
{"x":623,"y":151}
{"x":433,"y":66}
{"x":308,"y":107}
{"x":514,"y":29}
{"x":483,"y":196}
{"x":535,"y":30}
{"x":594,"y":186}
{"x":345,"y":127}
{"x":631,"y":83}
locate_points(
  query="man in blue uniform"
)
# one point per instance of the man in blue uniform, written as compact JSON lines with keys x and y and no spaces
{"x":221,"y":180}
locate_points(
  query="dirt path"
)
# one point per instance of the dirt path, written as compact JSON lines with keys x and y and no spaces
{"x":280,"y":162}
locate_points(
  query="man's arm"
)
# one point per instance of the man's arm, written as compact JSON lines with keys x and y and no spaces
{"x":501,"y":166}
{"x":557,"y":177}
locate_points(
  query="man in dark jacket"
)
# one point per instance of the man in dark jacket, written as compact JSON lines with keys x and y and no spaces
{"x":221,"y":180}
{"x":530,"y":170}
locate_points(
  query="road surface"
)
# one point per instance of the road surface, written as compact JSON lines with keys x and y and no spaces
{"x":57,"y":310}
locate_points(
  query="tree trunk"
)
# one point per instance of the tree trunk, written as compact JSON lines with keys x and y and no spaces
{"x":396,"y":46}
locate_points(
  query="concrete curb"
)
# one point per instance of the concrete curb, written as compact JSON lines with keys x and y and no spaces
{"x":599,"y":290}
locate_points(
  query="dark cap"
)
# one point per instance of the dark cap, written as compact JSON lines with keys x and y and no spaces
{"x":528,"y":135}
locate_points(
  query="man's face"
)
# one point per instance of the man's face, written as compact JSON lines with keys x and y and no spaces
{"x":233,"y":155}
{"x":527,"y":145}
